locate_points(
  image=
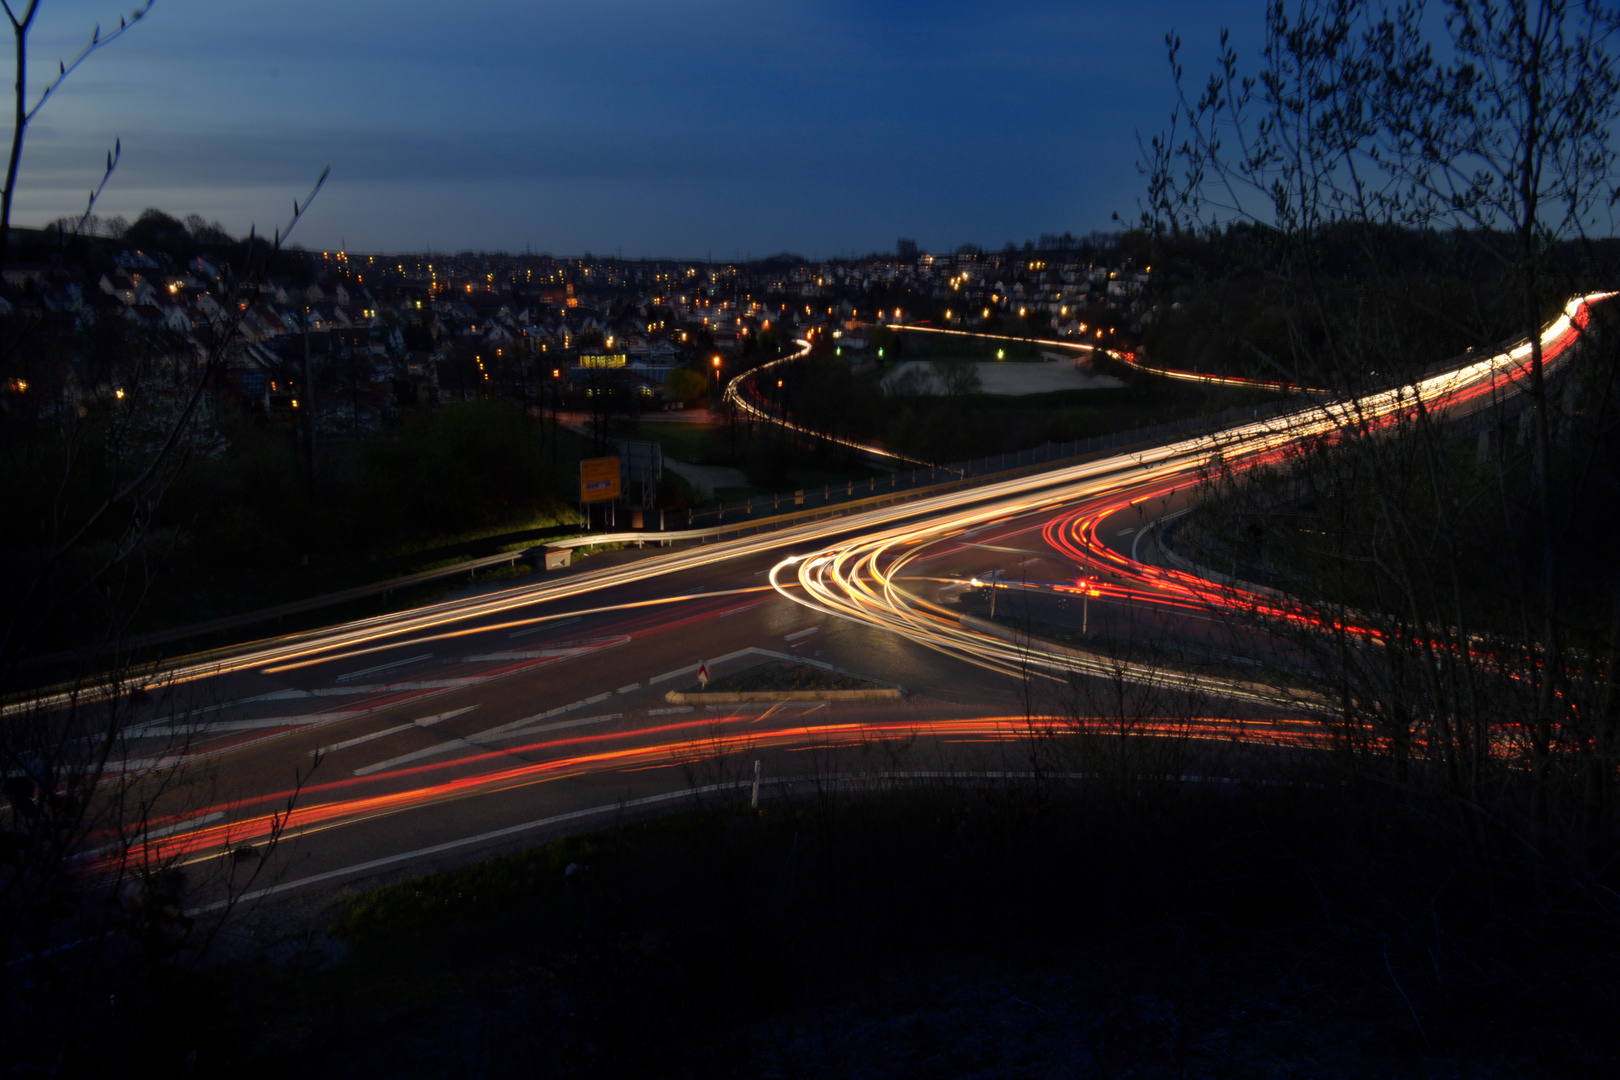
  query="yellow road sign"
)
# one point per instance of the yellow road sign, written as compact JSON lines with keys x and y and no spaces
{"x":598,"y":479}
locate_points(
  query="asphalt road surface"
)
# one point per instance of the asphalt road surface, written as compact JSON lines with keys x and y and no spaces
{"x":488,"y":722}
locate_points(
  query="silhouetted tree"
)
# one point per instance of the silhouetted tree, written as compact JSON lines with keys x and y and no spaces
{"x":1360,"y":143}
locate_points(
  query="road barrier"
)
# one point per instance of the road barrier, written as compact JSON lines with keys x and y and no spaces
{"x":766,"y":512}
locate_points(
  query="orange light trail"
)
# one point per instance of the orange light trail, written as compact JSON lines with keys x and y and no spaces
{"x":858,"y":578}
{"x":588,"y":754}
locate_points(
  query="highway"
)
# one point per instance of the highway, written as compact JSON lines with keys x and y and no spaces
{"x":421,"y":739}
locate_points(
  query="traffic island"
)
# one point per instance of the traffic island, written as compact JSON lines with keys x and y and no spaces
{"x":784,"y":681}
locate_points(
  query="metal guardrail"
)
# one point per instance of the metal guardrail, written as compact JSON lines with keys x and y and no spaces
{"x":782,"y":508}
{"x":902,"y":487}
{"x":758,"y":514}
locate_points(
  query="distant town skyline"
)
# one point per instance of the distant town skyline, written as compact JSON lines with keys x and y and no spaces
{"x":712,"y":129}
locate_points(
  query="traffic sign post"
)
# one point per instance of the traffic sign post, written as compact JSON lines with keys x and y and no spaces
{"x":703,"y":675}
{"x":598,"y":479}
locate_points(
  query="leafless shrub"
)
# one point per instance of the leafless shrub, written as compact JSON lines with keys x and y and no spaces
{"x":1393,"y":199}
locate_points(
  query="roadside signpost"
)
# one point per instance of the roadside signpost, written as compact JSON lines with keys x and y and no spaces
{"x":598,"y":482}
{"x":703,"y":674}
{"x":598,"y":479}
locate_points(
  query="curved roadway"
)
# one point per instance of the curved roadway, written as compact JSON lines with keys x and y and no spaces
{"x":409,"y":741}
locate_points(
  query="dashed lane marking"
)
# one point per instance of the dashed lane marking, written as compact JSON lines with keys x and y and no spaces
{"x":539,"y":629}
{"x":487,"y":735}
{"x":426,"y":721}
{"x":383,"y":667}
{"x":523,"y":733}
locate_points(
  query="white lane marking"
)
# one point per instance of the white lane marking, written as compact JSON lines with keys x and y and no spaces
{"x":157,"y":729}
{"x":429,"y":684}
{"x":473,"y":741}
{"x":527,"y":720}
{"x":678,"y":672}
{"x":518,"y":654}
{"x":750,"y":651}
{"x":383,"y":667}
{"x":169,"y":723}
{"x":426,"y":721}
{"x":179,"y":719}
{"x":306,"y":720}
{"x":274,"y":695}
{"x":672,"y":709}
{"x":451,"y":845}
{"x":739,"y":611}
{"x":1126,"y":532}
{"x":1160,"y":522}
{"x":802,"y":634}
{"x":584,"y":721}
{"x":405,"y":759}
{"x":117,"y":765}
{"x":563,"y":650}
{"x":548,"y":626}
{"x":141,"y":764}
{"x":627,"y":689}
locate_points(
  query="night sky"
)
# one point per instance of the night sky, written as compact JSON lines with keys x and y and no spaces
{"x":618,"y":126}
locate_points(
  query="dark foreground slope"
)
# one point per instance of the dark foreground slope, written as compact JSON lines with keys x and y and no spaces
{"x":1308,"y":930}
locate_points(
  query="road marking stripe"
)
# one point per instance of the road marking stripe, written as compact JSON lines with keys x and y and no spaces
{"x":306,"y":720}
{"x":584,"y":721}
{"x":527,"y":720}
{"x":628,"y":688}
{"x":802,"y":634}
{"x":537,"y":629}
{"x":451,"y":845}
{"x":383,"y":667}
{"x":751,"y":650}
{"x":474,"y":740}
{"x":275,"y":695}
{"x":405,"y":759}
{"x":562,"y":650}
{"x":521,"y":654}
{"x":424,"y":722}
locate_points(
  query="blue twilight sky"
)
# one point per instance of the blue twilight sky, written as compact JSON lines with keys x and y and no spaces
{"x":647,"y":127}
